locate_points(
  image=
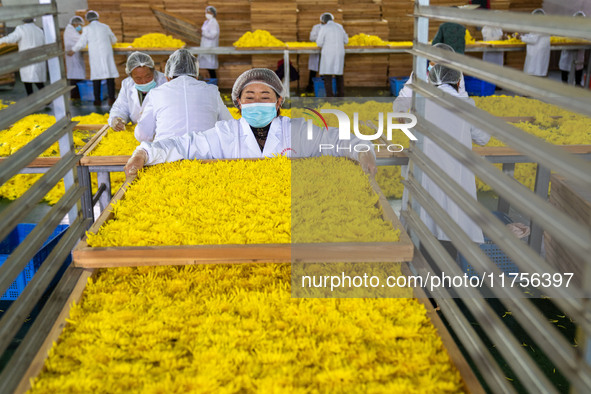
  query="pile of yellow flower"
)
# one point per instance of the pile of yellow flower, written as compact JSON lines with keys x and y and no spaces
{"x":116,"y":143}
{"x":258,"y":38}
{"x":362,"y":39}
{"x":92,"y":118}
{"x":153,"y":40}
{"x":400,"y":43}
{"x":567,"y":129}
{"x":297,"y":44}
{"x":469,"y":39}
{"x":565,"y":40}
{"x":236,"y":328}
{"x":149,"y":213}
{"x":511,"y":39}
{"x":4,"y":104}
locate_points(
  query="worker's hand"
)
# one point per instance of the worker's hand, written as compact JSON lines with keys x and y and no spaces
{"x":70,"y":53}
{"x":136,"y":162}
{"x":368,"y":163}
{"x":118,"y":124}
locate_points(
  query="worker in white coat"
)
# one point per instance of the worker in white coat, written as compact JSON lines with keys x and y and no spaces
{"x":490,"y":33}
{"x":403,"y":101}
{"x":568,"y":57}
{"x":332,"y":38}
{"x":182,"y":105}
{"x":258,"y":94}
{"x":314,"y":59}
{"x":134,"y":89}
{"x":28,"y":36}
{"x":447,"y":80}
{"x":210,"y":38}
{"x":75,"y":65}
{"x":537,"y":58}
{"x":99,"y":39}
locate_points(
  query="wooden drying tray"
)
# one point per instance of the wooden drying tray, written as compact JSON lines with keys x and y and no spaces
{"x":86,"y":256}
{"x":147,"y":49}
{"x":470,"y":382}
{"x":45,"y":162}
{"x":177,"y":25}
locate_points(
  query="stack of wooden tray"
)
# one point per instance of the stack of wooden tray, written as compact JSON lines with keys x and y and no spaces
{"x":278,"y":18}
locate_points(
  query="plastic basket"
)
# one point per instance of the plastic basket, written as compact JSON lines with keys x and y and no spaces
{"x":319,"y":90}
{"x":10,"y":243}
{"x":478,"y":87}
{"x":396,"y":84}
{"x":211,"y":81}
{"x":86,"y":89}
{"x":492,"y":250}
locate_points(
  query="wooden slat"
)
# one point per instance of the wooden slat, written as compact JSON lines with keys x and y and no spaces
{"x":40,"y":162}
{"x":506,"y":151}
{"x":88,"y":127}
{"x":94,"y":141}
{"x":176,"y":24}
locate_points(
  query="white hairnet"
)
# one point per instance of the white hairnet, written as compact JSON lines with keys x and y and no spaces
{"x":443,"y":46}
{"x":92,"y":16}
{"x":138,"y":59}
{"x":440,"y":75}
{"x":256,"y":75}
{"x":29,"y":20}
{"x":580,"y":13}
{"x":181,"y":62}
{"x":76,"y":19}
{"x":538,"y":11}
{"x":327,"y":16}
{"x":211,"y":9}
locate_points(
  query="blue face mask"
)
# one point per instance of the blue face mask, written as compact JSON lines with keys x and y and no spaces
{"x":259,"y":114}
{"x":145,"y":88}
{"x":429,"y":68}
{"x":78,"y":28}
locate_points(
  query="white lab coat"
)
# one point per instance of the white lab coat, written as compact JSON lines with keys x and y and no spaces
{"x":28,"y":36}
{"x":178,"y":107}
{"x":99,"y":39}
{"x":332,"y":38}
{"x":537,"y":58}
{"x":127,"y":106}
{"x":210,"y":37}
{"x":568,"y":57}
{"x":464,"y":133}
{"x":234,"y":139}
{"x":490,"y":33}
{"x":75,"y":64}
{"x":314,"y":59}
{"x":402,"y":103}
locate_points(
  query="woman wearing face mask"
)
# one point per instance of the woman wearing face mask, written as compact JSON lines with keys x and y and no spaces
{"x":142,"y":78}
{"x":210,"y":36}
{"x":258,"y":93}
{"x":182,"y":104}
{"x":75,"y":65}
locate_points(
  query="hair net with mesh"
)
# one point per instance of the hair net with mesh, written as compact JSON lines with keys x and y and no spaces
{"x":138,"y":59}
{"x":538,"y":11}
{"x":440,"y":75}
{"x":327,"y":16}
{"x":28,"y":20}
{"x":181,"y":62}
{"x":76,"y":19}
{"x":580,"y":13}
{"x":92,"y":16}
{"x":211,"y":9}
{"x":443,"y":46}
{"x":256,"y":75}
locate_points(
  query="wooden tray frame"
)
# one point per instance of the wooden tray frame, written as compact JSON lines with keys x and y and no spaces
{"x":86,"y":256}
{"x":262,"y":48}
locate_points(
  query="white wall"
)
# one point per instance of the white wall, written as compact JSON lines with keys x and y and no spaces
{"x":66,"y":9}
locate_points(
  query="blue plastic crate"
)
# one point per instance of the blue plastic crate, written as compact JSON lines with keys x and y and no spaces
{"x":396,"y":84}
{"x":478,"y":87}
{"x":86,"y":89}
{"x":492,"y":250}
{"x":10,"y":243}
{"x":319,"y":90}
{"x":211,"y":81}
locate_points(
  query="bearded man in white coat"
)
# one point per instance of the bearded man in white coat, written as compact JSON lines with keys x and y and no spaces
{"x":29,"y":36}
{"x":75,"y":65}
{"x":332,"y":38}
{"x":99,"y":39}
{"x":537,"y":58}
{"x":447,"y":80}
{"x":210,"y":38}
{"x":134,"y":89}
{"x":258,"y":94}
{"x":182,"y":105}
